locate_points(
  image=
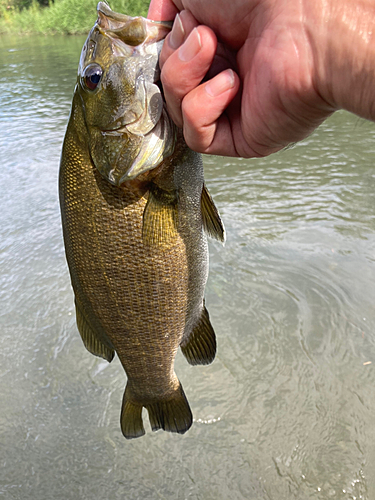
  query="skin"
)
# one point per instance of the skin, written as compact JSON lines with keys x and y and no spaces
{"x":278,"y":68}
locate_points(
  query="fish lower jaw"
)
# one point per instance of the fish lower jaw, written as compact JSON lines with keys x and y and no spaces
{"x":116,"y":132}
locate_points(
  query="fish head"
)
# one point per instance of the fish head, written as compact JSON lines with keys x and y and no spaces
{"x":128,"y":129}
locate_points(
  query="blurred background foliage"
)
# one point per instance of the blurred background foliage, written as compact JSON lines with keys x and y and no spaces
{"x":21,"y":4}
{"x":59,"y":16}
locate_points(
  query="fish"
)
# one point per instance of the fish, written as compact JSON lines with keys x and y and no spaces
{"x":135,"y":213}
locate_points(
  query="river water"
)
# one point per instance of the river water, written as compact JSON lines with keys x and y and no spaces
{"x":286,"y":411}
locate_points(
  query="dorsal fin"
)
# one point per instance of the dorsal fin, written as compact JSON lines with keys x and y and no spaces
{"x":212,"y":222}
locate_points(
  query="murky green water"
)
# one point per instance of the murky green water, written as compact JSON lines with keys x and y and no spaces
{"x":287,"y":410}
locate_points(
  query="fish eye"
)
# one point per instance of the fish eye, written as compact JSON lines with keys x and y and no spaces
{"x":92,"y":75}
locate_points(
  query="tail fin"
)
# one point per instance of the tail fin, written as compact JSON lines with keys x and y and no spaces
{"x":131,"y":417}
{"x":173,"y":414}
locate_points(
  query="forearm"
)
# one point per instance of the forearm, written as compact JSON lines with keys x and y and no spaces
{"x":342,"y":36}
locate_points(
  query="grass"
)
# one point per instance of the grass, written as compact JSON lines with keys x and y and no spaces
{"x":68,"y":17}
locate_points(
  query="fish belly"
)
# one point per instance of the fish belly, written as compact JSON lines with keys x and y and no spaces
{"x":134,"y":296}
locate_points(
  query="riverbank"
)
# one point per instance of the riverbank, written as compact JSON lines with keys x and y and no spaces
{"x":68,"y":17}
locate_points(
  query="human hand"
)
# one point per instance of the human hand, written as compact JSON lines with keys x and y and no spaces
{"x":273,"y":70}
{"x":260,"y":92}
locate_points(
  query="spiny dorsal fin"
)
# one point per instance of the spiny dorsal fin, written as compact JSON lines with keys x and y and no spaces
{"x":212,"y":222}
{"x":200,"y":348}
{"x":91,"y":340}
{"x":160,"y":218}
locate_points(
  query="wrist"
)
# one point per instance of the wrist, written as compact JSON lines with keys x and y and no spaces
{"x":342,"y":37}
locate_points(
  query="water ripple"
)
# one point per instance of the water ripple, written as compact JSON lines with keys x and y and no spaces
{"x":285,"y":412}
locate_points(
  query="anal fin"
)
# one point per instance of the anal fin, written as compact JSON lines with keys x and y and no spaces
{"x":160,"y":218}
{"x":200,"y":347}
{"x":91,"y":339}
{"x":212,"y":222}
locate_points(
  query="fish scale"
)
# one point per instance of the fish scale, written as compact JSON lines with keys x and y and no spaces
{"x":133,"y":229}
{"x":126,"y":284}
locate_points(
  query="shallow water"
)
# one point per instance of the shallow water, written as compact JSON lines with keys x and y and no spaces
{"x":287,"y":409}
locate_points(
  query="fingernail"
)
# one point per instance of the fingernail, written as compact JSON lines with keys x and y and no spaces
{"x":191,"y":47}
{"x":222,"y":82}
{"x":177,"y":34}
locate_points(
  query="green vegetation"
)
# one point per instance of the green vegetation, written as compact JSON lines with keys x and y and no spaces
{"x":60,"y":16}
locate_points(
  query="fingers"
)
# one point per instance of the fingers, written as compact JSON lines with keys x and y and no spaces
{"x":162,"y":10}
{"x":206,"y":127}
{"x":186,"y":57}
{"x":197,"y":108}
{"x":183,"y":25}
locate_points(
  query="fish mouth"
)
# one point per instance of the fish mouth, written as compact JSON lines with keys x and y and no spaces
{"x":146,"y":112}
{"x":142,"y":38}
{"x":131,"y":30}
{"x":148,"y":133}
{"x":117,"y":131}
{"x":140,"y":127}
{"x":139,"y":156}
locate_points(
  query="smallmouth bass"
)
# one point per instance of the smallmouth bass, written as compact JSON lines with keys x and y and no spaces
{"x":134,"y":211}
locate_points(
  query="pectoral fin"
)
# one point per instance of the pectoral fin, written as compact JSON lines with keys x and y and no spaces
{"x":160,"y":218}
{"x":200,"y":347}
{"x":90,"y":338}
{"x":212,"y":222}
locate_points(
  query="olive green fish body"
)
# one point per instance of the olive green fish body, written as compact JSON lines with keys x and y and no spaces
{"x":137,"y":254}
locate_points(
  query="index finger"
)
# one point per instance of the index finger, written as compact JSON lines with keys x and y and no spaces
{"x":163,"y":10}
